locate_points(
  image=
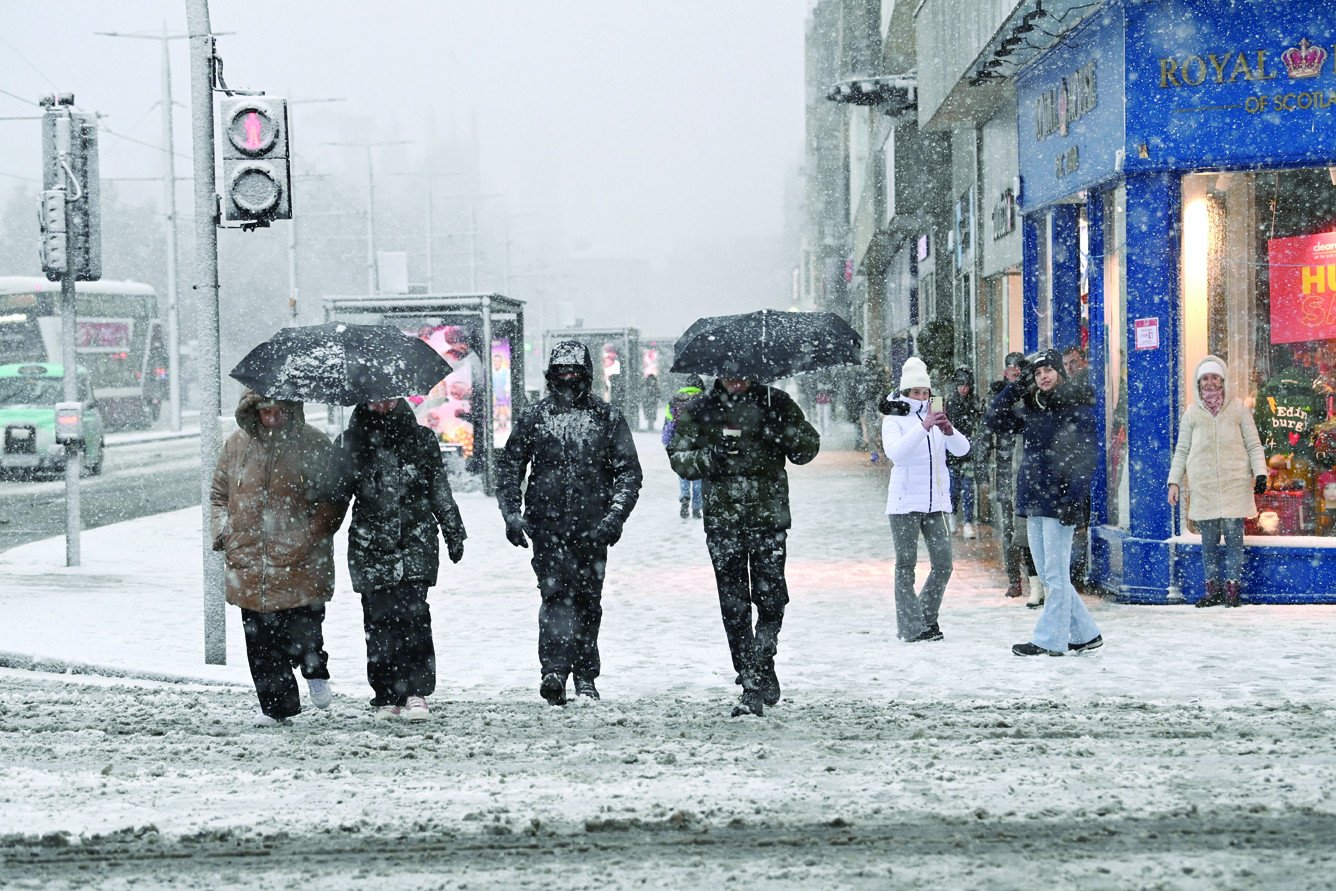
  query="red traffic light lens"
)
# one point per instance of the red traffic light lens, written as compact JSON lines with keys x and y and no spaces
{"x":252,"y":130}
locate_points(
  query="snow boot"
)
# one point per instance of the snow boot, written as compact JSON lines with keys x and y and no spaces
{"x":969,"y":530}
{"x":1231,"y":594}
{"x":695,"y":513}
{"x":553,"y":688}
{"x":1014,"y":589}
{"x":1036,"y":593}
{"x":321,"y":696}
{"x":769,"y":688}
{"x":749,"y":703}
{"x":686,"y":508}
{"x":585,"y":687}
{"x":1215,"y":594}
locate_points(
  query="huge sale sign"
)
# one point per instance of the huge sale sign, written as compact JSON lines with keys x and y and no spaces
{"x":1303,"y":287}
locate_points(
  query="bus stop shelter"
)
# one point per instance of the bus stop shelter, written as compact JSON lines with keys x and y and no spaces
{"x":482,"y":337}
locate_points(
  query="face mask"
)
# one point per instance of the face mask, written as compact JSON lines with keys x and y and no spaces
{"x":565,"y":392}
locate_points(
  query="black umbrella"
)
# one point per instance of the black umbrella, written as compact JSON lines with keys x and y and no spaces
{"x":341,"y":364}
{"x":766,"y":345}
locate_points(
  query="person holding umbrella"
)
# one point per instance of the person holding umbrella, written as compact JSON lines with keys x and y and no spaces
{"x":393,"y":472}
{"x":583,"y":482}
{"x":276,"y":529}
{"x":738,"y":437}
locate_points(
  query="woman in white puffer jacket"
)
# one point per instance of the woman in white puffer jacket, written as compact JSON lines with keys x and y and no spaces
{"x":917,"y":439}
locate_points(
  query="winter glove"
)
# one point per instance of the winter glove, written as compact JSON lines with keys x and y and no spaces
{"x":608,"y":531}
{"x":455,"y":548}
{"x":1259,"y":485}
{"x":515,"y":530}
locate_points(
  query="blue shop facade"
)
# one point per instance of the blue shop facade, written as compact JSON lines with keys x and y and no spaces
{"x":1178,"y":191}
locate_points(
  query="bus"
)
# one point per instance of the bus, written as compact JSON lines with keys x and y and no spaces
{"x":118,"y":339}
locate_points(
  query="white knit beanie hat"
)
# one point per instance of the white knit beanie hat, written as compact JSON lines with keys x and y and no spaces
{"x":914,"y":374}
{"x":1210,"y":366}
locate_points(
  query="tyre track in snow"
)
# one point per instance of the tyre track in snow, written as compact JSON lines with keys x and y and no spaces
{"x":165,"y":783}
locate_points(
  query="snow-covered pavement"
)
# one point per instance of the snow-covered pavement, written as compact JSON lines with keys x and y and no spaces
{"x":1197,"y":749}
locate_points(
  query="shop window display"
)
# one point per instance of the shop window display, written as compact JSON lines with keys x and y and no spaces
{"x":1259,"y":290}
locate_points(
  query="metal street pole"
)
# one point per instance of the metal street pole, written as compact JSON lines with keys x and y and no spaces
{"x":169,"y":204}
{"x":68,"y":357}
{"x":169,"y":199}
{"x":372,"y":280}
{"x":206,"y":284}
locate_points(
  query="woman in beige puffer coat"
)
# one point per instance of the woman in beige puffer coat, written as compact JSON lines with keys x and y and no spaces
{"x":273,"y":518}
{"x":1219,"y":450}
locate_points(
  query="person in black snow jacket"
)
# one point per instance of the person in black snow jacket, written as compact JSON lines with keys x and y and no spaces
{"x":1056,"y":422}
{"x":583,"y":481}
{"x":737,"y":437}
{"x":393,"y":468}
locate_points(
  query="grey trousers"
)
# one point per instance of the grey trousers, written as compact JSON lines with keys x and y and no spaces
{"x":915,"y":613}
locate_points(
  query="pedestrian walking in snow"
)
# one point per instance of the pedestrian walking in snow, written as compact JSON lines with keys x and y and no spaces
{"x":583,"y":480}
{"x":393,"y":470}
{"x":1004,"y":452}
{"x":689,"y":492}
{"x":1057,"y":426}
{"x":962,"y":407}
{"x":918,"y":441}
{"x":1220,"y":451}
{"x":271,"y":516}
{"x":649,"y":400}
{"x":825,"y":404}
{"x":737,"y":437}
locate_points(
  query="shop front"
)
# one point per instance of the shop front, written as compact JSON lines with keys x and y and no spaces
{"x":1178,"y":170}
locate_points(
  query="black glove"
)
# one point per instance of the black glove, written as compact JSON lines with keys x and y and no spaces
{"x":1259,"y":485}
{"x":723,"y":454}
{"x":515,"y":530}
{"x":455,"y":548}
{"x":608,"y":531}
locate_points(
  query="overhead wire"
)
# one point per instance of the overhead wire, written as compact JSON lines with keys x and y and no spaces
{"x":40,"y":72}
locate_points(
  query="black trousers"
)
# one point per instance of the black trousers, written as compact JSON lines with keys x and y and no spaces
{"x":749,"y":570}
{"x":278,"y":642}
{"x":400,"y":655}
{"x":570,"y":578}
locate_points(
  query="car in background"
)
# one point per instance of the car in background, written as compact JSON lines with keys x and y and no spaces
{"x":29,"y":392}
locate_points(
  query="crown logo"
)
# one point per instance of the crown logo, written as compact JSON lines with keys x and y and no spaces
{"x":1304,"y":60}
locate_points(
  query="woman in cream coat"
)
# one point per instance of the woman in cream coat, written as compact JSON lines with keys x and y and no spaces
{"x":1220,"y":451}
{"x":917,"y":439}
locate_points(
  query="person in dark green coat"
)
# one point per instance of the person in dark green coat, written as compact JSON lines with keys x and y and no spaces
{"x":738,"y":437}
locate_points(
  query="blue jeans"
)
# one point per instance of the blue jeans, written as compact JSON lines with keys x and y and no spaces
{"x":962,"y":494}
{"x":1065,"y":618}
{"x":1221,"y":564}
{"x":690,"y":489}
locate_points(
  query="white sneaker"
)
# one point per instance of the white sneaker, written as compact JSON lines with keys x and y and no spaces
{"x":417,"y":710}
{"x":388,"y":712}
{"x":969,"y":530}
{"x":321,"y":695}
{"x":263,"y":720}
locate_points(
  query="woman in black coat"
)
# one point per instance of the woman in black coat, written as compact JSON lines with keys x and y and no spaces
{"x":393,"y":467}
{"x":1057,"y":426}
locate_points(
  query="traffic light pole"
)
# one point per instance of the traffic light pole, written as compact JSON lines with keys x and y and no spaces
{"x":206,"y":284}
{"x":68,"y":357}
{"x":169,"y":197}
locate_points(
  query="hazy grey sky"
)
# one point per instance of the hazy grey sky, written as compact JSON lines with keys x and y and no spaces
{"x":648,"y":122}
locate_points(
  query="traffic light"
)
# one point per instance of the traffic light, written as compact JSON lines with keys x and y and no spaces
{"x":51,"y":219}
{"x":257,"y":180}
{"x":73,"y":134}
